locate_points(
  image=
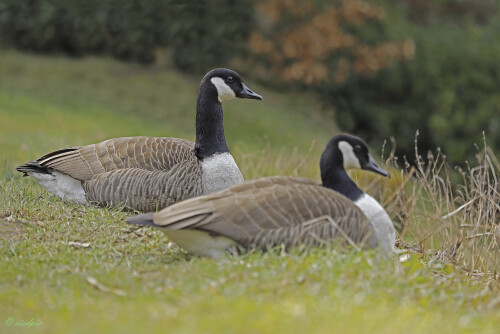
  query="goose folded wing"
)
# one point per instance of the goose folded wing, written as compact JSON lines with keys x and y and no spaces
{"x":256,"y":212}
{"x":148,"y":153}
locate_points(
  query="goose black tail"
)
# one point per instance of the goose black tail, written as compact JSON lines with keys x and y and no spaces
{"x":145,"y":220}
{"x":32,"y":166}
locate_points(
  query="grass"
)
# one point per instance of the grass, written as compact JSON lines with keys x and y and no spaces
{"x":453,"y":220}
{"x":81,"y":269}
{"x":52,"y":102}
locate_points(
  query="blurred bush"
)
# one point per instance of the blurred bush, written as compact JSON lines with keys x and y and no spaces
{"x":313,"y":42}
{"x":199,"y":33}
{"x":450,"y":11}
{"x":449,"y":91}
{"x":391,"y":67}
{"x":209,"y":33}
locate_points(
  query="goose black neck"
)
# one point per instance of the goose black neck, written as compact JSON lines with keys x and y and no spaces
{"x":334,"y":176}
{"x":210,"y":137}
{"x":341,"y":182}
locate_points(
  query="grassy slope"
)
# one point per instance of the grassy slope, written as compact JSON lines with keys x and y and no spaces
{"x":47,"y":103}
{"x":129,"y":281}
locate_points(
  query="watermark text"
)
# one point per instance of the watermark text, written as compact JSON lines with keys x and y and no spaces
{"x":13,"y":322}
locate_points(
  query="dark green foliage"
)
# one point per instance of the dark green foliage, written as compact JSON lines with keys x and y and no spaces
{"x":199,"y":33}
{"x":126,"y":29}
{"x":208,"y":33}
{"x":450,"y":11}
{"x":449,"y":91}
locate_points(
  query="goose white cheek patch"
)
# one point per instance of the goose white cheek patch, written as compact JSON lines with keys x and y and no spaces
{"x":225,"y":93}
{"x":350,"y":159}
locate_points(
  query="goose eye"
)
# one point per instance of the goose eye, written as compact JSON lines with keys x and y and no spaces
{"x":358,"y":149}
{"x":230,"y":79}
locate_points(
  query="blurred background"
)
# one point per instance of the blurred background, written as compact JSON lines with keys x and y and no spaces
{"x":76,"y":72}
{"x":379,"y":69}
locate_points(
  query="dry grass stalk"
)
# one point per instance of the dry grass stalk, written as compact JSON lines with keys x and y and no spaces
{"x":451,"y":215}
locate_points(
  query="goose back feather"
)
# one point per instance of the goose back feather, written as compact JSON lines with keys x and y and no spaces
{"x":147,"y":153}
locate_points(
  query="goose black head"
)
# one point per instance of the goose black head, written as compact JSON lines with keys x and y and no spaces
{"x":228,"y":85}
{"x":348,"y":152}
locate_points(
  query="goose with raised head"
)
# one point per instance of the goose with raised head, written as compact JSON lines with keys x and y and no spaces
{"x":150,"y":173}
{"x":279,"y":210}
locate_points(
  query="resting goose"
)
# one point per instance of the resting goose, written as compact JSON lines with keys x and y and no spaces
{"x":280,"y":210}
{"x":148,"y":173}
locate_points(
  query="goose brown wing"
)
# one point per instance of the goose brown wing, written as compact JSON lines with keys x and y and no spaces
{"x":147,"y":153}
{"x":145,"y":190}
{"x":270,"y":211}
{"x":186,"y":213}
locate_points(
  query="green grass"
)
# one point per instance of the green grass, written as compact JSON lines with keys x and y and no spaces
{"x":52,"y":102}
{"x":81,"y":269}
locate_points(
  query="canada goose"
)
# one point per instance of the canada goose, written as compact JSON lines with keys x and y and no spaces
{"x":146,"y":173}
{"x":283,"y":210}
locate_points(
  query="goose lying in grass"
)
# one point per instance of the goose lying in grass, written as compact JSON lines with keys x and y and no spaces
{"x":280,"y":210}
{"x":147,"y":173}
